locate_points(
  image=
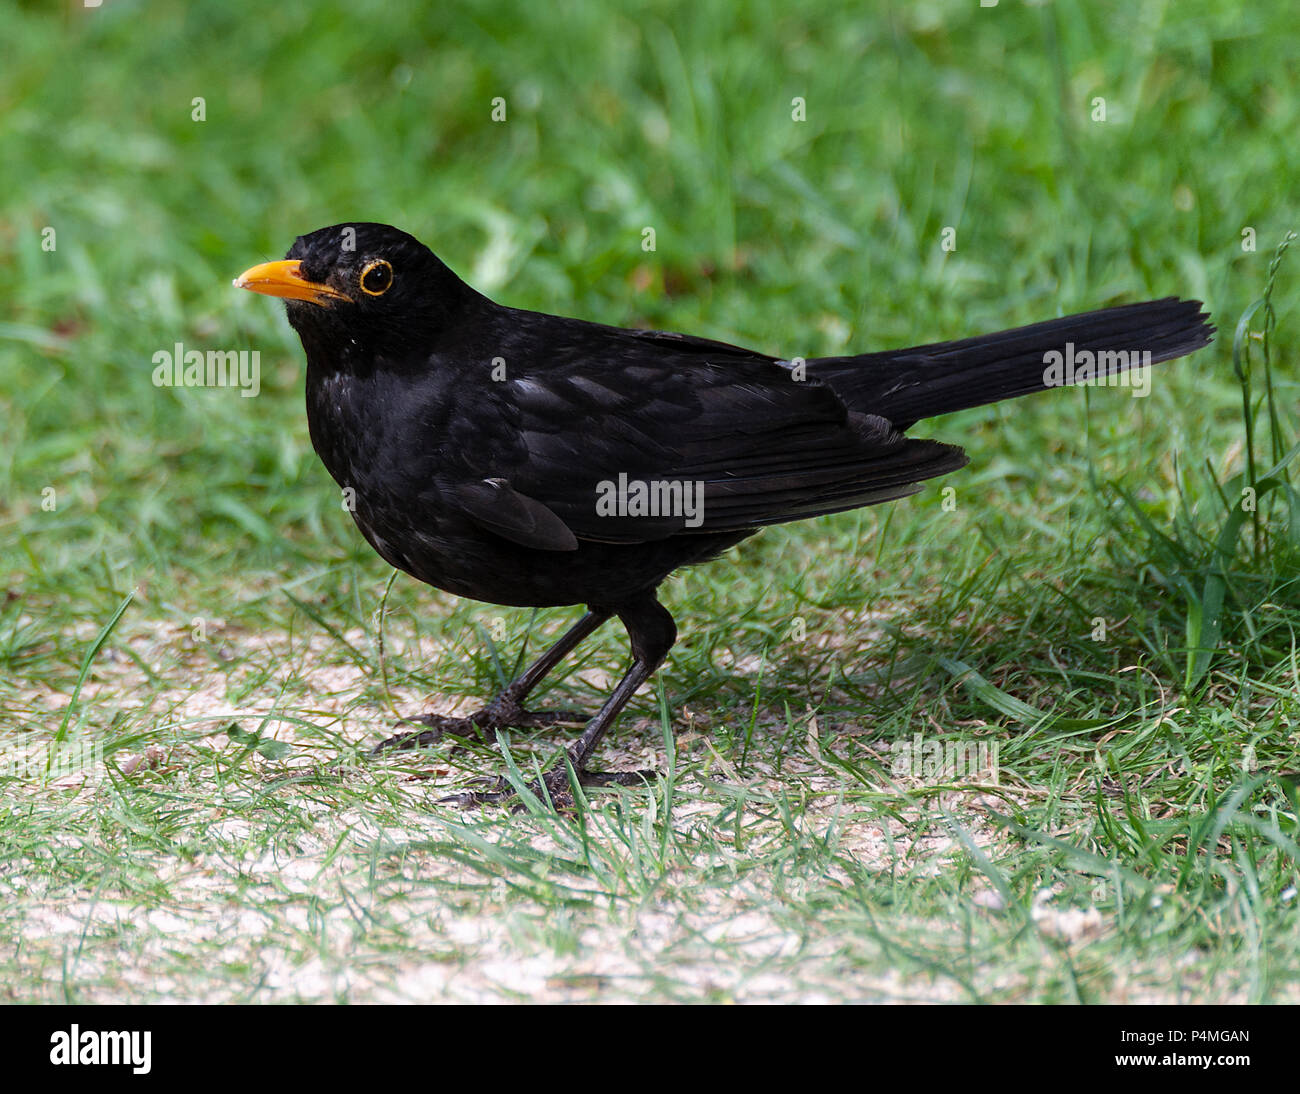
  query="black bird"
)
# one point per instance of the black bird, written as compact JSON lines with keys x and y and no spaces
{"x":534,"y":460}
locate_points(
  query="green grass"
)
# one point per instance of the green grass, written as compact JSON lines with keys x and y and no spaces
{"x":1092,"y":599}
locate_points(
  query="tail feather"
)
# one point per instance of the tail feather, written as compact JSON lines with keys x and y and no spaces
{"x":907,"y":385}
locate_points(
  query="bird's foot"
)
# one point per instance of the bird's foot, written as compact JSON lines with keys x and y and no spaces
{"x":554,"y":787}
{"x":502,"y":713}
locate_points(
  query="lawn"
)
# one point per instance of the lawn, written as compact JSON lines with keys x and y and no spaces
{"x":1028,"y":736}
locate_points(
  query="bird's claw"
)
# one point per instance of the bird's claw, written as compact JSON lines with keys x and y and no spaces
{"x":554,"y":787}
{"x":493,"y":717}
{"x":439,"y":726}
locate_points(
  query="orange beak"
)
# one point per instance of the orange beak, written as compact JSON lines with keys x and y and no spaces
{"x":285,"y":279}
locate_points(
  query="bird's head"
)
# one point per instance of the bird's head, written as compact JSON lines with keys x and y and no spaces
{"x":370,"y":285}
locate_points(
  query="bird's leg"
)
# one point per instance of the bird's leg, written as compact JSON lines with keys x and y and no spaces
{"x":652,"y":632}
{"x":506,"y":710}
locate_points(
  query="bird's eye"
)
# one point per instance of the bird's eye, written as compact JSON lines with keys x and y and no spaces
{"x":376,"y":277}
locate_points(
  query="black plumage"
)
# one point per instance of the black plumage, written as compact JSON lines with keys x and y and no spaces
{"x":485,"y":447}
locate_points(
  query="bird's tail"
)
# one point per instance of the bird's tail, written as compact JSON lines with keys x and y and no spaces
{"x":907,"y":385}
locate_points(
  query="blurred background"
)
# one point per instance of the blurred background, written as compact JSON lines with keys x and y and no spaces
{"x":798,"y":237}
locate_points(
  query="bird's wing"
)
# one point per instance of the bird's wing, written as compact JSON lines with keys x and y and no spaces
{"x":627,"y":437}
{"x":499,"y":507}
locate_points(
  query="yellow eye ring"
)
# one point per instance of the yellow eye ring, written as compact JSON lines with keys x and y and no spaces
{"x":377,"y":277}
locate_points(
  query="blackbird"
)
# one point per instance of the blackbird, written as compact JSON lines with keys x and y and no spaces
{"x":527,"y":459}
